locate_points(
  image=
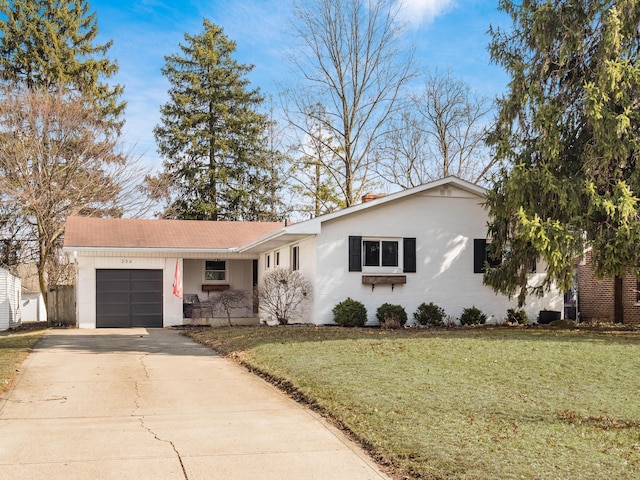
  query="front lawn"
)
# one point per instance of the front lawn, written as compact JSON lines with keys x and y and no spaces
{"x":14,"y":348}
{"x":481,"y":403}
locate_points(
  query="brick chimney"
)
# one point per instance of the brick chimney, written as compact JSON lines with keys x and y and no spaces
{"x":367,"y":197}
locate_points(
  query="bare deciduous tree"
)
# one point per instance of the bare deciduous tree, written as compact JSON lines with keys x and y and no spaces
{"x":441,"y":133}
{"x":13,"y":245}
{"x":313,"y":170}
{"x":58,"y":157}
{"x":354,"y":67}
{"x":283,"y":294}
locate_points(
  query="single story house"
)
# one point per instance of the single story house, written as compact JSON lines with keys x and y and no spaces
{"x":424,"y":244}
{"x":10,"y":291}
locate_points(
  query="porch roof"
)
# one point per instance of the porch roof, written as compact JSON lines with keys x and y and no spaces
{"x":126,"y":233}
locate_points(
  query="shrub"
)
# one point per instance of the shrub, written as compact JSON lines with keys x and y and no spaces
{"x":517,"y":316}
{"x":391,"y":316}
{"x":350,"y":313}
{"x":283,"y":294}
{"x":429,"y":314}
{"x":472,"y":316}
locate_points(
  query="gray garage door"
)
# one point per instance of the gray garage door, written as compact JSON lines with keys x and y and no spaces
{"x":128,"y":298}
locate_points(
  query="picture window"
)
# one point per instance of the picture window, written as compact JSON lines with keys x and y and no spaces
{"x":378,"y":253}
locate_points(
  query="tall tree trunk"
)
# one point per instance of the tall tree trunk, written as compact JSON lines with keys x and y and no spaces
{"x":318,"y":192}
{"x":213,"y":174}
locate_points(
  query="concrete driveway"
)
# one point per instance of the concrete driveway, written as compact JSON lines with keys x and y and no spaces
{"x":138,"y":403}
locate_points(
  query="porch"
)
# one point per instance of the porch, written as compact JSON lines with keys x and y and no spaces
{"x":219,"y":291}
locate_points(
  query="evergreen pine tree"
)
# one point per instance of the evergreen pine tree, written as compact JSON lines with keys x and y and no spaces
{"x":569,"y":129}
{"x":50,"y":44}
{"x":212,"y":136}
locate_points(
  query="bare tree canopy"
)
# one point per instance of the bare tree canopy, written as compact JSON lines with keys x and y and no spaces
{"x":353,"y":67}
{"x":311,"y":176}
{"x":58,"y":157}
{"x":440,"y":133}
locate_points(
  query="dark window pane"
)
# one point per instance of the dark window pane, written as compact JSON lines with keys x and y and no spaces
{"x":214,"y":269}
{"x":215,"y":265}
{"x":371,"y":253}
{"x":389,"y":254}
{"x":296,"y":260}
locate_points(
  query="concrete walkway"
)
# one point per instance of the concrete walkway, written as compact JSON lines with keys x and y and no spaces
{"x":138,"y":404}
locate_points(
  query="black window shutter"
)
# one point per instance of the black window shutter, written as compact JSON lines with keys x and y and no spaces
{"x":355,"y":254}
{"x":409,"y":255}
{"x":479,"y":254}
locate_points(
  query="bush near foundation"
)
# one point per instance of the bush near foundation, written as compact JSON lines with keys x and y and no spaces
{"x":350,"y":313}
{"x":517,"y":316}
{"x":391,"y":316}
{"x":429,"y":314}
{"x":472,"y":316}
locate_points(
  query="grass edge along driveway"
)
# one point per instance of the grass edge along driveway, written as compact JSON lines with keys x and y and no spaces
{"x":15,"y":346}
{"x":479,"y":403}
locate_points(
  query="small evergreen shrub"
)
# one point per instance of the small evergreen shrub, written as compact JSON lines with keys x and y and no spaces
{"x":391,"y":316}
{"x":350,"y":313}
{"x":517,"y":316}
{"x":429,"y":314}
{"x":472,"y":316}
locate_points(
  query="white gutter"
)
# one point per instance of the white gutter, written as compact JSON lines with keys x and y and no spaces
{"x":150,"y":249}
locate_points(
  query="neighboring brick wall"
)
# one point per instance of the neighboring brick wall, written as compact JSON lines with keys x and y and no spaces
{"x":629,"y":297}
{"x":595,"y":297}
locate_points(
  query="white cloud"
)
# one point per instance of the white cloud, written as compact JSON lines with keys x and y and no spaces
{"x":418,"y":12}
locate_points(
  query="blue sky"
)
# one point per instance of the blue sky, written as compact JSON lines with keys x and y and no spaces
{"x":447,"y":34}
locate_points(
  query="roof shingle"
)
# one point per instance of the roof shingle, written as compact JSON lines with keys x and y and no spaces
{"x":172,"y":234}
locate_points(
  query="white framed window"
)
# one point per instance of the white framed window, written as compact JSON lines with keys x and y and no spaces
{"x":277,"y":259}
{"x":215,"y":270}
{"x":267,"y":261}
{"x":385,"y":255}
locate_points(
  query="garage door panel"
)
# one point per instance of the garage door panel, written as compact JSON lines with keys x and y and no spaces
{"x":146,"y":309}
{"x":144,"y":321}
{"x":146,"y":287}
{"x":115,"y":297}
{"x":110,"y":321}
{"x":117,"y":286}
{"x":117,"y":309}
{"x":114,"y":275}
{"x":129,"y":298}
{"x":143,"y":297}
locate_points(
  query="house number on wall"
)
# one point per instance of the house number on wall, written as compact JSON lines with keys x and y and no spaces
{"x":126,"y":260}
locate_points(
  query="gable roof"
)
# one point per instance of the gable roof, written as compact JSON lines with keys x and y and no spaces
{"x":127,"y":233}
{"x":300,"y":230}
{"x":243,"y":237}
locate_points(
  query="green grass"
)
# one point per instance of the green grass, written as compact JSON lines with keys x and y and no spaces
{"x":479,"y":403}
{"x":14,"y":348}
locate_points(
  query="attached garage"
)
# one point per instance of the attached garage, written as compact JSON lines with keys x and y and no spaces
{"x":128,"y":298}
{"x":127,"y":268}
